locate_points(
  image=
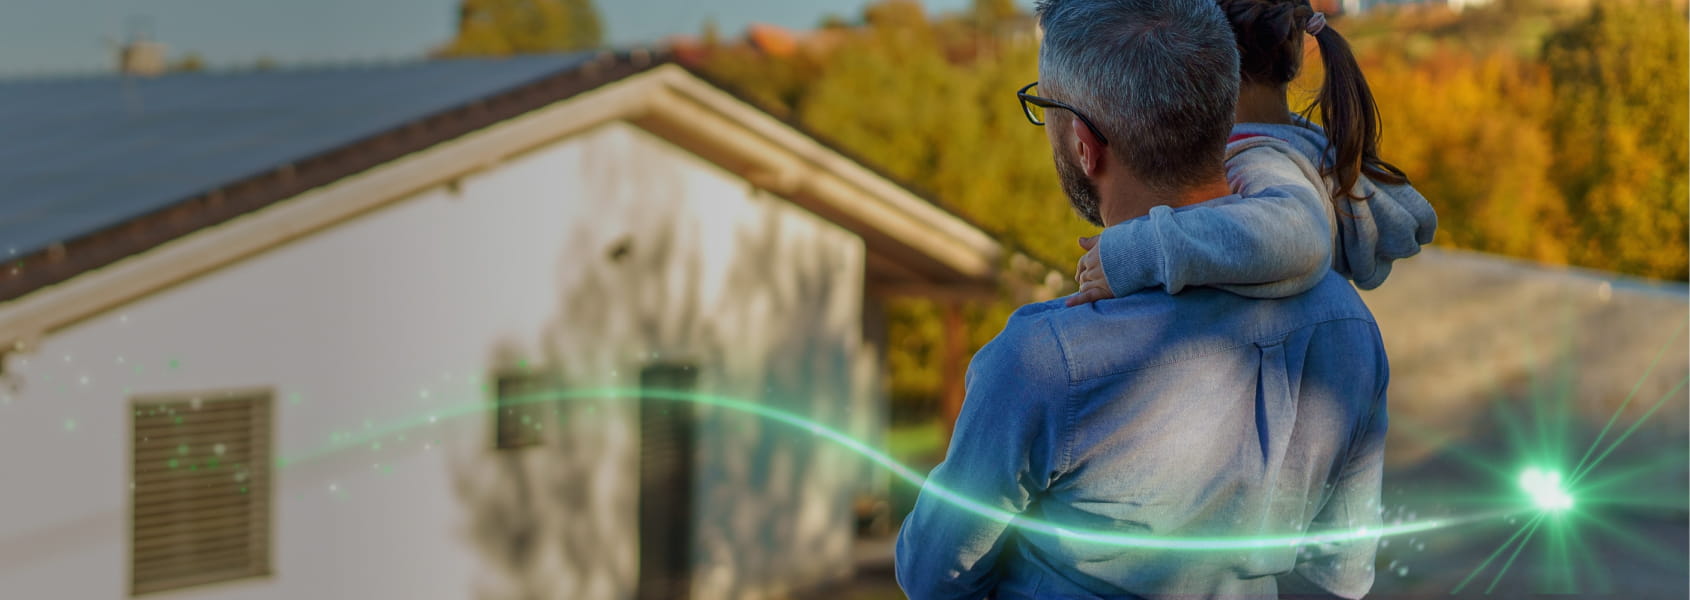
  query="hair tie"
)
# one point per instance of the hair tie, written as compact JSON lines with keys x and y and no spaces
{"x":1317,"y":24}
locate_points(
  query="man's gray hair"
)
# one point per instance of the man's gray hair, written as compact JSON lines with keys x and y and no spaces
{"x":1158,"y":77}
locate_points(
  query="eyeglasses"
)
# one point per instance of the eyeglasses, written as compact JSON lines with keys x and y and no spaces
{"x":1034,"y":107}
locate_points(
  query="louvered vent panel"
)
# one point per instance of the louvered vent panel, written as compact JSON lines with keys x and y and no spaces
{"x":200,"y":511}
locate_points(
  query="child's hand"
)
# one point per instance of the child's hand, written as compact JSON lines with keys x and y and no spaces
{"x":1093,"y":285}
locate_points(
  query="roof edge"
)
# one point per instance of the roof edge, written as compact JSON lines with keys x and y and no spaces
{"x":197,"y":235}
{"x":66,"y":259}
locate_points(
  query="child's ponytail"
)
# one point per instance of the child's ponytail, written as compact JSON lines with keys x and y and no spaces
{"x":1349,"y":114}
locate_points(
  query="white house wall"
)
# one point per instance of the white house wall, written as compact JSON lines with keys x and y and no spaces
{"x":591,"y":257}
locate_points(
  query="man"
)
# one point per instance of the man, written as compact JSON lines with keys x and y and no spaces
{"x":1176,"y":419}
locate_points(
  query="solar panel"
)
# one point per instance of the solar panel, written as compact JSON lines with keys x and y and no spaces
{"x":78,"y":155}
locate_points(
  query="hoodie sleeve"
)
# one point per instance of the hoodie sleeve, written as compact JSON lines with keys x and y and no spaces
{"x":1386,"y":223}
{"x":1275,"y":241}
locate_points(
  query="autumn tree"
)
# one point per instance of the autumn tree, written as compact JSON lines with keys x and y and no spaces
{"x":1511,"y":206}
{"x":191,"y":62}
{"x":1621,"y":132}
{"x":504,"y":27}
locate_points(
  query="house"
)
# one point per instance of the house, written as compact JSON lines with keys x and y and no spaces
{"x":419,"y":330}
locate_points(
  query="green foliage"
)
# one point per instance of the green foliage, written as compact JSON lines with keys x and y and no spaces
{"x":504,"y":27}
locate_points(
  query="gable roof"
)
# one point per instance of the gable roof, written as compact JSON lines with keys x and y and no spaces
{"x":274,"y":160}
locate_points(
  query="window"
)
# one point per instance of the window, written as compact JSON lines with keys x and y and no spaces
{"x":200,"y":509}
{"x":523,"y":402}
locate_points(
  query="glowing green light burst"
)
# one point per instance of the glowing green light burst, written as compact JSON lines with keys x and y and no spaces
{"x":1588,"y":523}
{"x":1544,"y":488}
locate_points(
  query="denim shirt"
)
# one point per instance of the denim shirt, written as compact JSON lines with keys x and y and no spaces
{"x":1205,"y":414}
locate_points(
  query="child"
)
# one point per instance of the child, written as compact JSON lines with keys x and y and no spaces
{"x":1263,"y":253}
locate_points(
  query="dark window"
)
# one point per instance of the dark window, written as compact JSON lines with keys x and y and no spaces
{"x":666,"y":483}
{"x":200,"y":509}
{"x":524,"y":402}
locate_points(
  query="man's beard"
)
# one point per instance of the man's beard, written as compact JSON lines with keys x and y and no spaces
{"x":1081,"y":192}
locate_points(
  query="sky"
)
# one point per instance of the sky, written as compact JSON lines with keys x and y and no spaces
{"x":40,"y":37}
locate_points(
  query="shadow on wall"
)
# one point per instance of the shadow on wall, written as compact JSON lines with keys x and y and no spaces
{"x":803,"y":357}
{"x":771,"y":507}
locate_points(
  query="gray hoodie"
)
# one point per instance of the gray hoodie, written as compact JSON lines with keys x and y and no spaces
{"x":1278,"y":239}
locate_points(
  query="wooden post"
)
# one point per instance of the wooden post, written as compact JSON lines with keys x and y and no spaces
{"x":952,"y":365}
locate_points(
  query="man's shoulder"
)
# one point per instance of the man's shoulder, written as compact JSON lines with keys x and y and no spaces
{"x":1028,"y":345}
{"x":1029,"y":333}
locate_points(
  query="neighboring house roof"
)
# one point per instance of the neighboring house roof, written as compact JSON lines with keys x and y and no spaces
{"x":165,"y":178}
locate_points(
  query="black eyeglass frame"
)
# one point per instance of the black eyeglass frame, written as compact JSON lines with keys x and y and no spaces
{"x":1043,"y":102}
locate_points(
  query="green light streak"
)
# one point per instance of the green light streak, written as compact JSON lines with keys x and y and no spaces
{"x":1630,"y":430}
{"x":1493,"y":555}
{"x":1664,"y":557}
{"x":971,"y":505}
{"x":1634,"y":388}
{"x":1522,"y":546}
{"x":1560,"y":577}
{"x":1626,"y":474}
{"x":1586,"y":557}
